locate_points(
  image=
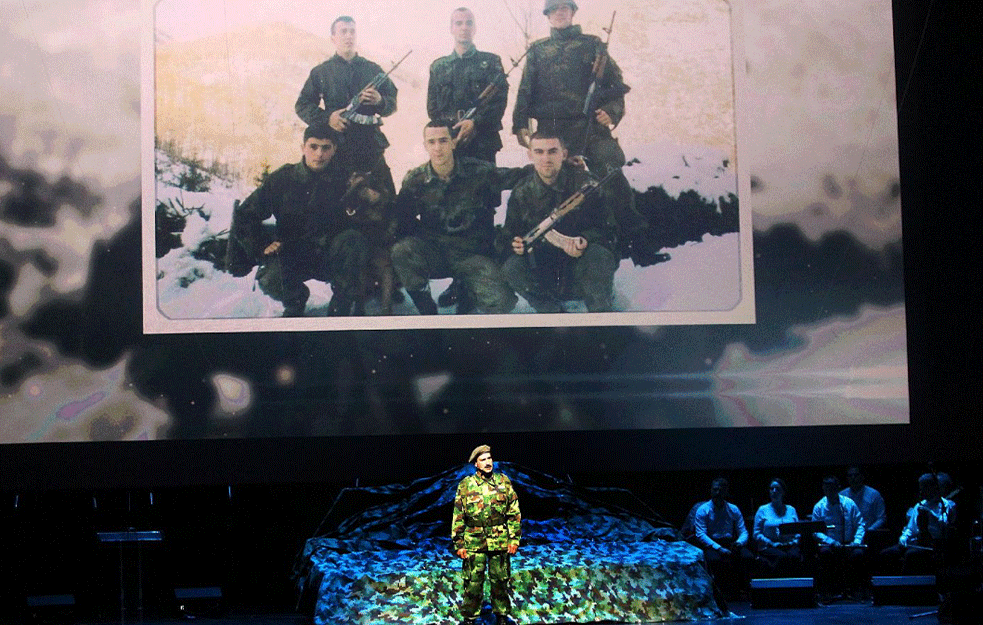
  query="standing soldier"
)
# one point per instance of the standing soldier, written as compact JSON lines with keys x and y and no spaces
{"x":456,"y":81}
{"x":336,"y":82}
{"x":558,"y":75}
{"x":485,"y":531}
{"x":576,"y":257}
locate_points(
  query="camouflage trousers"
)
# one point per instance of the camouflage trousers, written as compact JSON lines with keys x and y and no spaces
{"x":499,"y":567}
{"x":417,"y":261}
{"x":341,"y":262}
{"x":545,"y":284}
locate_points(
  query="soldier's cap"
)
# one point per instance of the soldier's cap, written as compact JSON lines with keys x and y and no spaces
{"x":480,"y":449}
{"x":552,"y":4}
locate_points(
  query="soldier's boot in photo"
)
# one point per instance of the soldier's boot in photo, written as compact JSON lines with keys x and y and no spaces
{"x":341,"y":305}
{"x":295,"y":301}
{"x":465,"y":301}
{"x":423,"y":301}
{"x":450,"y":295}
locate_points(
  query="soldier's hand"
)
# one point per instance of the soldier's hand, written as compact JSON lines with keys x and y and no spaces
{"x":462,"y":553}
{"x":338,"y":122}
{"x":523,"y":137}
{"x":603,"y":118}
{"x":518,"y":246}
{"x":577,"y":161}
{"x":465,"y":129}
{"x":272,"y":248}
{"x":575,"y":247}
{"x":370,"y":95}
{"x":513,"y":549}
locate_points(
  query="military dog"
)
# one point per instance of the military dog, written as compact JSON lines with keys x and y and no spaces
{"x":371,"y":208}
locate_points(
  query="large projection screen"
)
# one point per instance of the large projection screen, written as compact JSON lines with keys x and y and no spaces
{"x":813,"y":125}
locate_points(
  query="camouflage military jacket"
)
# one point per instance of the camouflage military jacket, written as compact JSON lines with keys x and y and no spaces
{"x":335,"y":82}
{"x":306,"y":205}
{"x":532,"y":200}
{"x":486,"y":514}
{"x":557,"y":76}
{"x":456,"y":81}
{"x":458,"y":214}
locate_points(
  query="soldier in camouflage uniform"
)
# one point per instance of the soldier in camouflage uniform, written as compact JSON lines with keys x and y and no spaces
{"x":450,"y":204}
{"x":575,"y":259}
{"x":313,"y":237}
{"x":456,"y":81}
{"x":555,"y":81}
{"x":334,"y":83}
{"x":485,"y":531}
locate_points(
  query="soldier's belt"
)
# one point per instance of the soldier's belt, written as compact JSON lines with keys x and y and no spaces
{"x":473,"y":524}
{"x":553,"y":120}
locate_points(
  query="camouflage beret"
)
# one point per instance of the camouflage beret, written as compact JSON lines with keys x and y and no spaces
{"x":480,"y":449}
{"x":552,"y":4}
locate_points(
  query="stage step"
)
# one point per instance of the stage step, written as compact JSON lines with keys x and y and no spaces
{"x":904,"y":590}
{"x":783,"y":592}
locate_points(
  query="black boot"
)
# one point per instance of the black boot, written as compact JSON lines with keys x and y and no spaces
{"x":340,"y":306}
{"x":504,"y":619}
{"x":465,"y":300}
{"x":450,"y":295}
{"x":423,"y":301}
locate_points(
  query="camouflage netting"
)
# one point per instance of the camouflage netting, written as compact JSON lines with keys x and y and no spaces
{"x":383,"y":555}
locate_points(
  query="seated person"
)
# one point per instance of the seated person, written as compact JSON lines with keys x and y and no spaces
{"x":688,"y":530}
{"x":840,"y":548}
{"x":721,"y":533}
{"x":778,"y":552}
{"x":869,"y":501}
{"x":926,"y":532}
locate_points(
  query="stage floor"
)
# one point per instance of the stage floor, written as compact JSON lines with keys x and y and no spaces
{"x":838,"y":614}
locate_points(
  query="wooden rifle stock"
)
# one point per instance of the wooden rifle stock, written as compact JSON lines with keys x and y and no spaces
{"x":563,"y":209}
{"x":600,"y":63}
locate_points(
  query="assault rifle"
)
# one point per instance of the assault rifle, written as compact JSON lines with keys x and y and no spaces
{"x":360,"y":118}
{"x":489,"y":92}
{"x":600,"y":62}
{"x":563,"y":209}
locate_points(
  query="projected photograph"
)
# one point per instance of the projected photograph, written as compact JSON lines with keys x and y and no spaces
{"x":582,"y":166}
{"x":828,"y":347}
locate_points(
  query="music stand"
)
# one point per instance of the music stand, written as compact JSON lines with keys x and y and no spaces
{"x":136,"y":538}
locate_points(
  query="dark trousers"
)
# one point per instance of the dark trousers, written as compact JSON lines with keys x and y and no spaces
{"x":729,"y":571}
{"x":840,"y":568}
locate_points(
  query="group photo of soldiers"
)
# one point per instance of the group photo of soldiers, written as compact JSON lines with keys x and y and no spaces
{"x":517,"y":202}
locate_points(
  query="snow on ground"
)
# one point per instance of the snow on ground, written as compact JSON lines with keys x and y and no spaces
{"x":702,"y":276}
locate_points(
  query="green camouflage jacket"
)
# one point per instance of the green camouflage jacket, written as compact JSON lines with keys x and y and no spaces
{"x":456,"y":81}
{"x":486,"y":514}
{"x":306,"y":205}
{"x":532,"y":200}
{"x":557,"y":76}
{"x":457,"y":214}
{"x":335,"y":82}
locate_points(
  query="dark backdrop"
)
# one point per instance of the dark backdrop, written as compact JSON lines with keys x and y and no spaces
{"x":937,"y":58}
